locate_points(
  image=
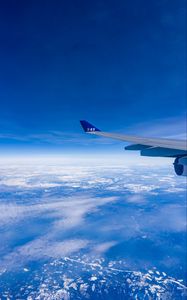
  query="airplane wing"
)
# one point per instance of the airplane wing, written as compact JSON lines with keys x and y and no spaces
{"x":149,"y":146}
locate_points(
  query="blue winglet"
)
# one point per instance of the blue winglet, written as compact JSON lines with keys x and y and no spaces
{"x":88,"y":127}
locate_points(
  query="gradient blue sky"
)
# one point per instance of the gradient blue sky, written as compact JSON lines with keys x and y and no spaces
{"x":119,"y":64}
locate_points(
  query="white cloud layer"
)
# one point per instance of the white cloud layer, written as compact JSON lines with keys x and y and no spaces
{"x":75,"y":199}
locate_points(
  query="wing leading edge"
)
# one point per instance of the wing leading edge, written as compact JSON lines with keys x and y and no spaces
{"x":147,"y":146}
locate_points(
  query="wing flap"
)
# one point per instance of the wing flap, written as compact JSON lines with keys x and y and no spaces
{"x":162,"y":152}
{"x":137,"y":147}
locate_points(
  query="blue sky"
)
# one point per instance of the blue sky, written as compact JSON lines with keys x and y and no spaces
{"x":119,"y":64}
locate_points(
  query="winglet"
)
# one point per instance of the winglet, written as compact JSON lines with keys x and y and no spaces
{"x":88,"y":127}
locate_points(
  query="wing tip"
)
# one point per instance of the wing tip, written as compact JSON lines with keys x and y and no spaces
{"x":87,"y":127}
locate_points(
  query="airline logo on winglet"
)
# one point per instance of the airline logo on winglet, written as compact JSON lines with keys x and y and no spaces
{"x":88,"y":127}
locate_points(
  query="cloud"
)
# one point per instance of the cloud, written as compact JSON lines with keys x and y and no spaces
{"x":11,"y":213}
{"x":54,"y":177}
{"x":40,"y":249}
{"x":67,"y":211}
{"x":64,"y":214}
{"x":169,"y":217}
{"x":137,"y":199}
{"x":140,"y":188}
{"x":76,"y":209}
{"x":73,"y":199}
{"x":103,"y":247}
